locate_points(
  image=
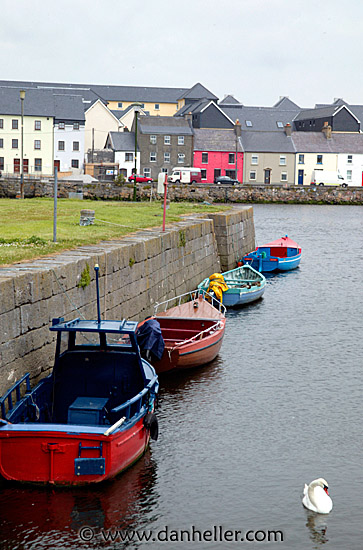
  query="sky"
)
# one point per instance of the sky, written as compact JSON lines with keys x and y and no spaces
{"x":256,"y":50}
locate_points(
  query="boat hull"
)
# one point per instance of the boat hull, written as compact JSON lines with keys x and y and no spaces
{"x":236,"y":297}
{"x":47,"y":456}
{"x":266,"y":265}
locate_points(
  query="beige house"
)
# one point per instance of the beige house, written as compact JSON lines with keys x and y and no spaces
{"x":99,"y":122}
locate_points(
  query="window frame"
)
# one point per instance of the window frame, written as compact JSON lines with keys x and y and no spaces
{"x":14,"y":124}
{"x":157,"y":106}
{"x":75,"y":163}
{"x":37,"y":125}
{"x":153,"y":139}
{"x":37,"y":145}
{"x":181,"y":158}
{"x":1,"y":143}
{"x":317,"y":159}
{"x":284,"y":177}
{"x":254,"y":160}
{"x":147,"y":172}
{"x":153,"y":156}
{"x":61,"y":125}
{"x":205,"y":156}
{"x":75,"y":125}
{"x":250,"y":175}
{"x":59,"y":146}
{"x":37,"y":165}
{"x":301,"y":158}
{"x":231,"y":155}
{"x":167,"y":140}
{"x":167,"y":157}
{"x":1,"y":123}
{"x":77,"y":145}
{"x":283,"y":160}
{"x":129,"y":157}
{"x":13,"y":146}
{"x":181,"y":140}
{"x":349,"y":159}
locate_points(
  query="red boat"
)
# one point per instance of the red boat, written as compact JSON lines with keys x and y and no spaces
{"x":91,"y":418}
{"x":192,"y":331}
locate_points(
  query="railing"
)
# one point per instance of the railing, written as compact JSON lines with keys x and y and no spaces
{"x":9,"y":395}
{"x":138,"y":400}
{"x":189,"y":297}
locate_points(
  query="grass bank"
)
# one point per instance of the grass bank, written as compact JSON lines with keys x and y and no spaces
{"x":26,"y":226}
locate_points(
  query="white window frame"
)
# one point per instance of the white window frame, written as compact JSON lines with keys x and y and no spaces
{"x":130,"y":159}
{"x":153,"y":139}
{"x":37,"y":145}
{"x":350,"y":159}
{"x":153,"y":156}
{"x":282,"y":160}
{"x":349,"y":175}
{"x":249,"y":123}
{"x":253,"y":177}
{"x":284,"y":177}
{"x":147,"y":172}
{"x":37,"y":125}
{"x":64,"y":145}
{"x":254,"y":160}
{"x":167,"y":140}
{"x":167,"y":158}
{"x":180,"y":140}
{"x":181,"y":158}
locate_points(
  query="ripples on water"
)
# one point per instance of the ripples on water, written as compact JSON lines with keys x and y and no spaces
{"x":280,"y":406}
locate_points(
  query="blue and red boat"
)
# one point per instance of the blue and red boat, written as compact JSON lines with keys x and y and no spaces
{"x":281,"y":255}
{"x":91,"y":418}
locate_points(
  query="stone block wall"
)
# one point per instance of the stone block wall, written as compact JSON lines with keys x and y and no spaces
{"x":136,"y":272}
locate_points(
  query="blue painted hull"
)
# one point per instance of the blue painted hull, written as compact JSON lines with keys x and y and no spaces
{"x":240,"y":298}
{"x":266,"y":265}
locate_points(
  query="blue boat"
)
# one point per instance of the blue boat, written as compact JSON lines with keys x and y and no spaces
{"x":281,"y":255}
{"x":236,"y":287}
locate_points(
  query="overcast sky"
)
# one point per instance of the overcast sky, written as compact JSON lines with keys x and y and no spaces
{"x":257,"y":50}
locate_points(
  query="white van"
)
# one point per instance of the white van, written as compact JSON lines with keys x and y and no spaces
{"x":327,"y":177}
{"x":185,"y":175}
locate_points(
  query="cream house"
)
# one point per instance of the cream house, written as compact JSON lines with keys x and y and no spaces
{"x":99,"y":122}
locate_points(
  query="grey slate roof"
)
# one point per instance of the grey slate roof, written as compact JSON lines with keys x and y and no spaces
{"x":229,"y":100}
{"x":123,"y":141}
{"x":316,"y":142}
{"x":198,"y":91}
{"x":286,"y":104}
{"x":206,"y":139}
{"x":267,"y":142}
{"x":164,"y":125}
{"x":42,"y":103}
{"x":322,"y":112}
{"x":195,"y":107}
{"x":263,"y":118}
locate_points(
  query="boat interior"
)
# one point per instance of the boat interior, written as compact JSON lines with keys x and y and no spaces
{"x":178,"y":329}
{"x":279,"y":251}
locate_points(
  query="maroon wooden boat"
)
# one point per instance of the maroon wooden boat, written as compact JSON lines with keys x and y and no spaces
{"x":192,"y":331}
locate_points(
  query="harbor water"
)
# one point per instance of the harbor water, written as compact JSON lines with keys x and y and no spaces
{"x":279,"y":407}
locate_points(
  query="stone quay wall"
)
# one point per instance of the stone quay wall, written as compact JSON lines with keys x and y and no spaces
{"x":136,"y":272}
{"x":10,"y":188}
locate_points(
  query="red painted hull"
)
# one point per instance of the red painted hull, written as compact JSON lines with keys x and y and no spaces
{"x":27,"y":455}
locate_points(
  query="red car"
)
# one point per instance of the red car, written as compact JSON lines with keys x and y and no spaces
{"x":140,"y":178}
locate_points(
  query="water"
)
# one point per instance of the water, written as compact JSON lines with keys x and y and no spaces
{"x":282,"y":405}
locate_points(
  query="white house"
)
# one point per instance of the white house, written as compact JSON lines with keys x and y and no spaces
{"x":123,"y":145}
{"x":69,"y":133}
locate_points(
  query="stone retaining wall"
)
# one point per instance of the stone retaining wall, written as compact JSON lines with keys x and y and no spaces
{"x":196,"y":193}
{"x":135,"y":273}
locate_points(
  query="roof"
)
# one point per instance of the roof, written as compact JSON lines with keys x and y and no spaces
{"x":267,"y":142}
{"x":206,"y":139}
{"x":261,"y":118}
{"x":42,"y":103}
{"x":229,"y":100}
{"x":164,"y":125}
{"x":316,"y":142}
{"x":284,"y":242}
{"x":286,"y":104}
{"x":198,"y":91}
{"x":322,"y":112}
{"x":122,"y":141}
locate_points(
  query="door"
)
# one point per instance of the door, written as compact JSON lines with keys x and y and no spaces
{"x":267,"y":175}
{"x":300,"y":178}
{"x":217,"y":173}
{"x":16,"y":166}
{"x":57,"y":165}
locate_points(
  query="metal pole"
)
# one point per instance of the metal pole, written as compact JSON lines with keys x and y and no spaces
{"x":135,"y":156}
{"x":97,"y":269}
{"x":165,"y":193}
{"x":55,"y":204}
{"x":22,"y":97}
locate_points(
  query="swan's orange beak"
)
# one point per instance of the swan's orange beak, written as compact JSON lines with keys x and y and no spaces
{"x":326,"y":490}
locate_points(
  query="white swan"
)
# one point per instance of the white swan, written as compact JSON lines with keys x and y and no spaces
{"x":316,"y":497}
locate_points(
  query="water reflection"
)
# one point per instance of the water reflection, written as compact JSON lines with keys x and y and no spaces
{"x":36,"y":516}
{"x":317,"y":525}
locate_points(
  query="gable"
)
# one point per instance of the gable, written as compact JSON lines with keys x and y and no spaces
{"x":212,"y":117}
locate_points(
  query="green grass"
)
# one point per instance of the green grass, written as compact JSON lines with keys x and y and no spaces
{"x":26,"y":226}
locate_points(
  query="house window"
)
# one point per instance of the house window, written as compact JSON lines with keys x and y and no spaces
{"x":61,"y":146}
{"x":37,"y":165}
{"x":1,"y":163}
{"x":248,"y":123}
{"x":75,"y":125}
{"x":203,"y":174}
{"x":119,"y":104}
{"x":319,"y":159}
{"x":181,"y":158}
{"x":283,"y":176}
{"x":16,"y":166}
{"x":166,"y":157}
{"x":129,"y":157}
{"x":14,"y":144}
{"x":349,"y":175}
{"x":282,"y":160}
{"x":15,"y":124}
{"x":76,"y":146}
{"x":253,"y":175}
{"x":231,"y":174}
{"x":180,"y":140}
{"x":153,"y":156}
{"x":280,"y":124}
{"x":350,"y":159}
{"x":204,"y":158}
{"x":37,"y":144}
{"x":301,"y":159}
{"x":1,"y":123}
{"x":61,"y":125}
{"x":166,"y":140}
{"x":141,"y":105}
{"x":157,"y":106}
{"x":1,"y":143}
{"x":153,"y":140}
{"x":37,"y":124}
{"x":75,"y":163}
{"x":231,"y":158}
{"x":147,"y":172}
{"x":164,"y":170}
{"x":254,"y":159}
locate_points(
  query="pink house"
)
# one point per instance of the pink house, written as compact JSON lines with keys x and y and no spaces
{"x":218,"y":153}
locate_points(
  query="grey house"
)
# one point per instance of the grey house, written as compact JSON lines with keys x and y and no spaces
{"x":164,"y":142}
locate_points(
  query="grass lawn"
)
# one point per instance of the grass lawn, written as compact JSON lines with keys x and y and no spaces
{"x":26,"y":226}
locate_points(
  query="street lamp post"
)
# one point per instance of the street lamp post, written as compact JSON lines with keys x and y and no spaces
{"x":136,"y":112}
{"x":22,"y":97}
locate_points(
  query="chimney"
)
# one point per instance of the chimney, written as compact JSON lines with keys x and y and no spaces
{"x":237,"y":128}
{"x":288,"y":129}
{"x":188,"y":116}
{"x":326,"y":130}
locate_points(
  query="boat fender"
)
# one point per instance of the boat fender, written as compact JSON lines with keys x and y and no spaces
{"x":151,"y":423}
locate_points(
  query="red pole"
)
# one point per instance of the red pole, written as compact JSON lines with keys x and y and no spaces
{"x":165,"y":193}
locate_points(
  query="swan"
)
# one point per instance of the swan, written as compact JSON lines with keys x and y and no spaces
{"x":316,"y":497}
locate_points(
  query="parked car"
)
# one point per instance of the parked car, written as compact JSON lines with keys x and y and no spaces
{"x":140,"y":178}
{"x":226,"y":179}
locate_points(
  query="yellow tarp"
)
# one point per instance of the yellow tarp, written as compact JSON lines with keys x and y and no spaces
{"x":217,"y":285}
